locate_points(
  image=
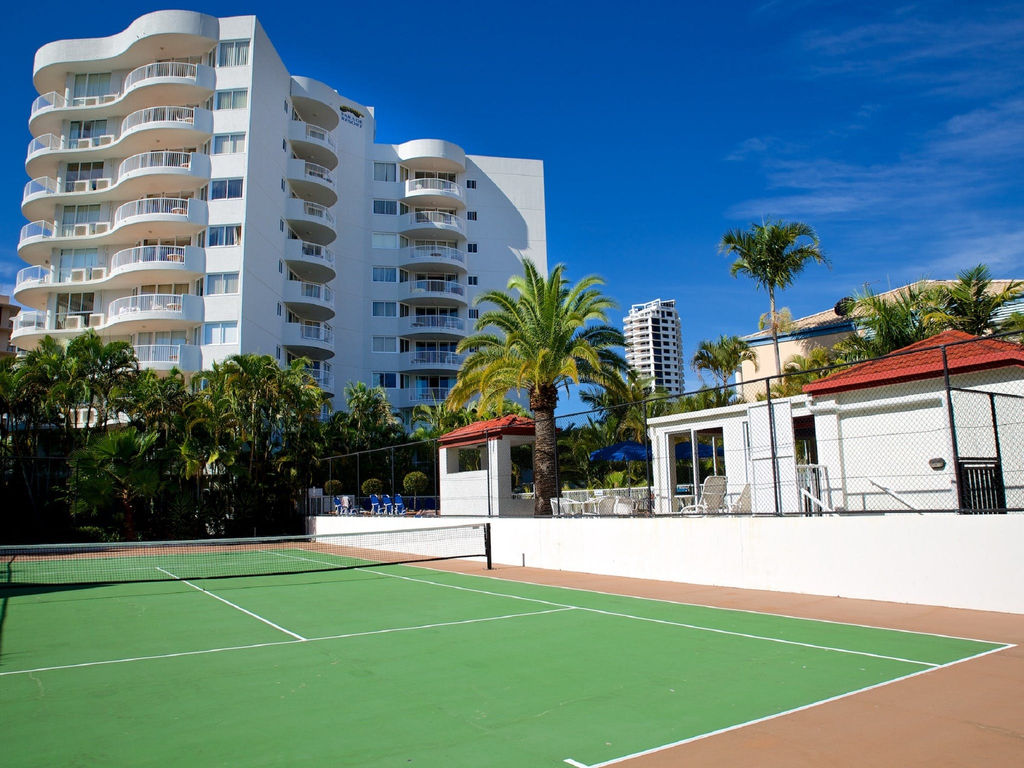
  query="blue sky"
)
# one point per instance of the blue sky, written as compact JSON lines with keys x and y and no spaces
{"x":896,"y":131}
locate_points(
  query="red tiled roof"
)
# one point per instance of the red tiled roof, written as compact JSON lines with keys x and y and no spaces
{"x":492,"y":429}
{"x":923,"y":360}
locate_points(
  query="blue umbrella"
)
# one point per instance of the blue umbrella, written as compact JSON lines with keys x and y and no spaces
{"x":627,"y":450}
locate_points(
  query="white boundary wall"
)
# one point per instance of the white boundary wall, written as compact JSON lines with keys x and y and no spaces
{"x":949,"y":560}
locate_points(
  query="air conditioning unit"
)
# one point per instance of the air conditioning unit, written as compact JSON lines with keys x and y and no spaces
{"x":98,"y":273}
{"x":90,"y":101}
{"x":82,"y":185}
{"x":81,"y":230}
{"x":83,"y":143}
{"x":100,"y":226}
{"x":73,"y":323}
{"x":77,"y":275}
{"x":95,"y":320}
{"x":101,"y":183}
{"x":101,"y":141}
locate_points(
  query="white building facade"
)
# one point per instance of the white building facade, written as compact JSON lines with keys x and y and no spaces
{"x":191,"y":196}
{"x":654,"y":343}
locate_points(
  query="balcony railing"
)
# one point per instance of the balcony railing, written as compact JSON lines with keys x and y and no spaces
{"x":38,"y":229}
{"x":157,"y":254}
{"x":158,"y":115}
{"x":435,"y":358}
{"x":25,"y":321}
{"x":318,"y":211}
{"x":160,"y":69}
{"x":155,"y":160}
{"x":435,"y":253}
{"x":158,"y":353}
{"x":314,"y":171}
{"x":320,"y":134}
{"x":43,"y":185}
{"x":47,"y":141}
{"x":321,"y":333}
{"x":439,"y":322}
{"x":449,"y":287}
{"x":314,"y":251}
{"x":429,"y":395}
{"x":433,"y":185}
{"x":324,"y":379}
{"x":51,"y":100}
{"x":435,"y":217}
{"x":177,"y":206}
{"x":316,"y":291}
{"x":32,"y":275}
{"x":148,"y":302}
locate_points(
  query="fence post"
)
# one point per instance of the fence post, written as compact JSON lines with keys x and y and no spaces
{"x":952,"y":432}
{"x":359,"y":484}
{"x":394,"y":489}
{"x":647,"y":459}
{"x":558,"y":482}
{"x":487,"y":458}
{"x":771,"y":437}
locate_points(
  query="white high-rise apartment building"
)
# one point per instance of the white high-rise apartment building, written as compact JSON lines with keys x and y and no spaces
{"x":654,"y":343}
{"x":191,"y":196}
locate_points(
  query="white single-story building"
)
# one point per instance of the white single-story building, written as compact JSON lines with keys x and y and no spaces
{"x":887,"y":434}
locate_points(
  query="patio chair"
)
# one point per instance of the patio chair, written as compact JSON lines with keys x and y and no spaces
{"x":712,"y":496}
{"x":399,"y":505}
{"x":606,"y":506}
{"x":374,"y":504}
{"x":624,"y":507}
{"x":389,"y":507}
{"x":337,"y":505}
{"x":742,"y":505}
{"x":565,"y":507}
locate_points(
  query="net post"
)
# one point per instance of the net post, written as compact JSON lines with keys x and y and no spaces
{"x":487,"y":545}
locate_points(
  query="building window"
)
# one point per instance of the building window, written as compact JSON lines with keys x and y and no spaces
{"x":474,"y":314}
{"x":470,"y":215}
{"x":472,"y":280}
{"x":385,"y":240}
{"x":387,"y":380}
{"x":89,"y":89}
{"x":220,"y":333}
{"x":231,"y":99}
{"x":225,"y":189}
{"x":385,"y":309}
{"x":278,"y":353}
{"x":386,"y":207}
{"x":385,"y":275}
{"x":234,"y":53}
{"x":226,"y":234}
{"x":229,"y":144}
{"x":226,"y":282}
{"x":470,"y":183}
{"x":385,"y":344}
{"x":280,"y":309}
{"x":385,"y":172}
{"x":470,"y":247}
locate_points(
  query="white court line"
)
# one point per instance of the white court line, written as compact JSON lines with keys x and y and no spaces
{"x":280,"y":642}
{"x":669,"y":623}
{"x":237,"y":607}
{"x":736,"y":727}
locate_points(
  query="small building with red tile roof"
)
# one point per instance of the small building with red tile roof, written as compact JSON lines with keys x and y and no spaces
{"x":885,"y":435}
{"x":476,"y":468}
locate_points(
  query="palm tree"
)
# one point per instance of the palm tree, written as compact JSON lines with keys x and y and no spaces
{"x":970,"y":304}
{"x":722,"y":357}
{"x":803,"y":369}
{"x":887,"y":322}
{"x":773,"y":254}
{"x":550,"y":335}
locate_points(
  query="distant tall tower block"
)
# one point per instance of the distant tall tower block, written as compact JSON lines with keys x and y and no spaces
{"x":654,"y":343}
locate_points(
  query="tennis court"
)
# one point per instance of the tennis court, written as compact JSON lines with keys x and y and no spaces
{"x":395,"y":664}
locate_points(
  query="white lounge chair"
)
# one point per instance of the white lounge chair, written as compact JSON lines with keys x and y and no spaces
{"x":712,"y":497}
{"x":742,"y":505}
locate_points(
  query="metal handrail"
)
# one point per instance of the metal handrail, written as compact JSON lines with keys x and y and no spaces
{"x":432,"y":185}
{"x":168,"y":254}
{"x":160,"y":69}
{"x":47,"y":141}
{"x":48,"y":100}
{"x":32,"y":275}
{"x":318,"y":211}
{"x":147,"y":302}
{"x":38,"y":229}
{"x":317,"y":251}
{"x":435,"y":358}
{"x":316,"y":291}
{"x":158,"y":115}
{"x":158,"y":353}
{"x":320,"y":134}
{"x":435,"y":217}
{"x":322,"y":333}
{"x":319,"y":172}
{"x":43,"y":185}
{"x":437,"y":286}
{"x":154,"y":160}
{"x":430,"y":395}
{"x":152,"y":205}
{"x":438,"y":321}
{"x":435,"y":252}
{"x":32,"y":319}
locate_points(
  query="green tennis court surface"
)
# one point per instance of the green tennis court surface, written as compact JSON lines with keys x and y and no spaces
{"x":404,"y":666}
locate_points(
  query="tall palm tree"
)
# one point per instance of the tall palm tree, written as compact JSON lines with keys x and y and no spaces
{"x":549,"y":335}
{"x":970,"y":304}
{"x":721,"y":357}
{"x":803,"y":369}
{"x":888,"y":322}
{"x":772,"y":254}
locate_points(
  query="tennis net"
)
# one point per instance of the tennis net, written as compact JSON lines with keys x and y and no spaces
{"x":54,"y":564}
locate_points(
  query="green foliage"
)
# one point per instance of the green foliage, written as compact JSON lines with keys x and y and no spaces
{"x":372,"y":485}
{"x":333,"y":488}
{"x":722,"y":357}
{"x":415,"y":483}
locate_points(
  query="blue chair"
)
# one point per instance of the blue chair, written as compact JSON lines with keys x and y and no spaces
{"x":389,"y":508}
{"x":337,"y":505}
{"x":399,"y":505}
{"x":374,"y":504}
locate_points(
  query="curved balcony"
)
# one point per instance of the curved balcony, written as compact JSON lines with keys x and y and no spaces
{"x":311,"y":221}
{"x":436,"y":293}
{"x":429,"y":396}
{"x":324,"y":379}
{"x":313,"y":182}
{"x":435,"y":192}
{"x":430,"y":361}
{"x":165,"y":82}
{"x":432,"y":155}
{"x":427,"y":256}
{"x":311,"y":262}
{"x":160,"y":217}
{"x":36,"y":241}
{"x":428,"y":224}
{"x":32,"y":286}
{"x":143,"y":130}
{"x":313,"y":341}
{"x":187,"y":358}
{"x":136,"y":176}
{"x":436,"y":327}
{"x":29,"y":328}
{"x":156,"y":264}
{"x":313,"y":143}
{"x":310,"y":300}
{"x":154,"y":312}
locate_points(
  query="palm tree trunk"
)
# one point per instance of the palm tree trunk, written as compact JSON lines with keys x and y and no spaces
{"x":545,"y":451}
{"x":775,"y":330}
